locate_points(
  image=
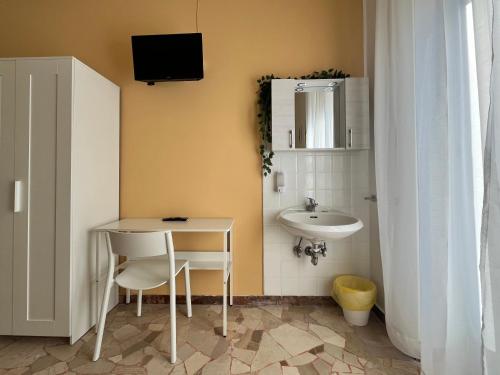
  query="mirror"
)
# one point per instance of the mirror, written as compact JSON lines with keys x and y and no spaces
{"x":320,"y":114}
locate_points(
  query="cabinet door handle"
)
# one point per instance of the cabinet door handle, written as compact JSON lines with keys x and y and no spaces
{"x":290,"y":140}
{"x":17,"y":195}
{"x":350,"y":138}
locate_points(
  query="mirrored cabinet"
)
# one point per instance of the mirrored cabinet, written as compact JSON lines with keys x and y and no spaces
{"x":320,"y":114}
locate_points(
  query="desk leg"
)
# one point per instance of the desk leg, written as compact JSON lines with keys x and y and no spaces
{"x":97,"y":279}
{"x":224,"y":285}
{"x":231,"y":275}
{"x":224,"y":312}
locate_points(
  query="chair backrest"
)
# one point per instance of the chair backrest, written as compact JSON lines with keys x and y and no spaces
{"x":140,"y":244}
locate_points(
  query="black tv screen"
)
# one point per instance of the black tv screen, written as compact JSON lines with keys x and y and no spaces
{"x":170,"y":57}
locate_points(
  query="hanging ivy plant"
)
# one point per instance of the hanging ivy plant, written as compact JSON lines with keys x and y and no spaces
{"x":264,"y":114}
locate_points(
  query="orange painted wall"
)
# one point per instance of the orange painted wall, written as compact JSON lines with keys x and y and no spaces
{"x":190,"y":148}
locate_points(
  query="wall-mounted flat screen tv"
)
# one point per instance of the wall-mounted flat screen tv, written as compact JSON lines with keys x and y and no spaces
{"x":168,"y":57}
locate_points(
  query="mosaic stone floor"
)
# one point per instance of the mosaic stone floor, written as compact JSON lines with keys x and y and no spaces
{"x":263,"y":340}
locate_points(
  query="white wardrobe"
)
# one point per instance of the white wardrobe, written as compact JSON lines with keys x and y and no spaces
{"x":59,"y":178}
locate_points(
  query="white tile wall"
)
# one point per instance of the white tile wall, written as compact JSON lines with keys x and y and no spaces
{"x":335,"y":179}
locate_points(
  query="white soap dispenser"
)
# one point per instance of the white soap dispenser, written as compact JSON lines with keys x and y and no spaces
{"x":280,"y":182}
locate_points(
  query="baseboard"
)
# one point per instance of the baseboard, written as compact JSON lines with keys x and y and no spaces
{"x":238,"y":300}
{"x":248,"y":301}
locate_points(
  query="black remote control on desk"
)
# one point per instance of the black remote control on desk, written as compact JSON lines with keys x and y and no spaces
{"x":179,"y":218}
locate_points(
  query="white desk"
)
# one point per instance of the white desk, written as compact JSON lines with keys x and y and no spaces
{"x":198,"y":260}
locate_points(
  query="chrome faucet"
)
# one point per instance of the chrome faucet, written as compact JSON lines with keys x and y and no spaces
{"x":311,"y":205}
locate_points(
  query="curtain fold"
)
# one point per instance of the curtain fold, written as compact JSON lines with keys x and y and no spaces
{"x":448,"y":154}
{"x":395,"y":168}
{"x":483,"y":23}
{"x":487,"y":28}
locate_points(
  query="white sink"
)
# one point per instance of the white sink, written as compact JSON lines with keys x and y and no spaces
{"x":321,"y":225}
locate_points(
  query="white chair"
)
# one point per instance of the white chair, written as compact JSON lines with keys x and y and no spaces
{"x":142,"y":272}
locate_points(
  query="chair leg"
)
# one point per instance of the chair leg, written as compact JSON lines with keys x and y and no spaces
{"x":102,"y":318}
{"x":127,"y":296}
{"x":187,"y":283}
{"x":173,"y":323}
{"x":139,"y":302}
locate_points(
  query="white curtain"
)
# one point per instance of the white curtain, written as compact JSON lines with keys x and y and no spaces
{"x":487,"y":27}
{"x":449,"y":160}
{"x":396,"y":170}
{"x":428,"y":172}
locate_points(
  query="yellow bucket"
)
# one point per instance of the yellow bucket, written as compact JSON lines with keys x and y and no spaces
{"x":356,"y":295}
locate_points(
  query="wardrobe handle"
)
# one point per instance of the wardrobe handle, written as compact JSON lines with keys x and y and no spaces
{"x":290,"y":138}
{"x":350,"y":138}
{"x":17,"y":195}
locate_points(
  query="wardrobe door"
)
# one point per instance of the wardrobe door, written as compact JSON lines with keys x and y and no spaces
{"x":42,"y":227}
{"x":7,"y":98}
